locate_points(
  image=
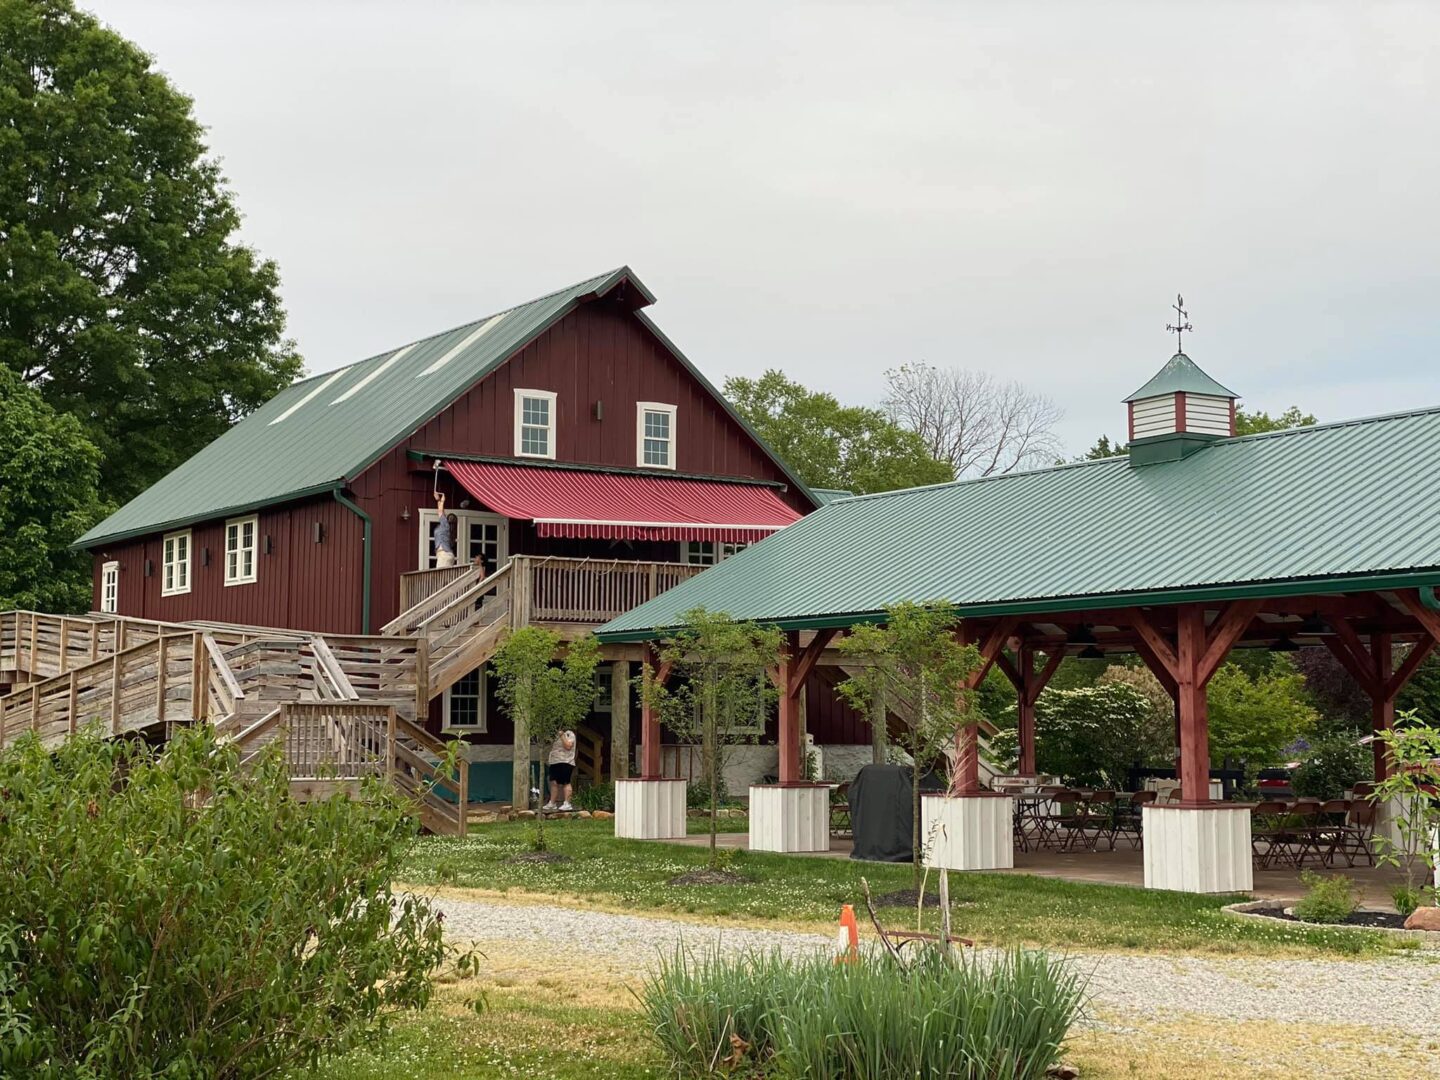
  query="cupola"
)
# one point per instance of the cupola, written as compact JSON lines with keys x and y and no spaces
{"x":1179,"y":410}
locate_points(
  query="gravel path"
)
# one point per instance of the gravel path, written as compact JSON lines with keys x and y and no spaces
{"x":1400,"y":994}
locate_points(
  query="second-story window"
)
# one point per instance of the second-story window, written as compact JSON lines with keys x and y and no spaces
{"x":535,"y":423}
{"x":655,"y":435}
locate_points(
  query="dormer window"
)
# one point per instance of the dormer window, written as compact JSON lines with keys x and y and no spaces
{"x":535,"y":423}
{"x":655,"y":435}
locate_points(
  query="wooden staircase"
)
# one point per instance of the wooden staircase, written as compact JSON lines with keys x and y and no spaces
{"x":345,"y":706}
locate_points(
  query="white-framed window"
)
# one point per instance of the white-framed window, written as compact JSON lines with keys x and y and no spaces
{"x":535,"y":423}
{"x":240,"y":544}
{"x":654,"y":435}
{"x":110,"y":587}
{"x":175,"y":566}
{"x":464,"y":703}
{"x":707,"y":552}
{"x":604,"y":688}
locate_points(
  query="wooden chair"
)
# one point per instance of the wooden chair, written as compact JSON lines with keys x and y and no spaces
{"x":1301,"y":831}
{"x":1098,"y":814}
{"x":1130,"y":818}
{"x":1355,"y":836}
{"x":1267,"y":833}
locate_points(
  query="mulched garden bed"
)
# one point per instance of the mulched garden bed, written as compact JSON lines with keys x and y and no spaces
{"x":539,"y":857}
{"x":1384,"y":920}
{"x":709,"y":877}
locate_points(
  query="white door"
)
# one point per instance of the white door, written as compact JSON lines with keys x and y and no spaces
{"x":477,"y":535}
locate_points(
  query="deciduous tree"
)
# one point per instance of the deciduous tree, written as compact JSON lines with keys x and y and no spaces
{"x":830,"y":445}
{"x":981,"y":425}
{"x":719,"y":692}
{"x":125,"y":297}
{"x":48,"y":476}
{"x":914,"y":666}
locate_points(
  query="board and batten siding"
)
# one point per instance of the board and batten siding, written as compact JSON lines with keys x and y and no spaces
{"x":300,"y":583}
{"x":597,"y":354}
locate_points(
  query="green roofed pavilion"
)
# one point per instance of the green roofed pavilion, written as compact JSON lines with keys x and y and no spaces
{"x":1309,"y":509}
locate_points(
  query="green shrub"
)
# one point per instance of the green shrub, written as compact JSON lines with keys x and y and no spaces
{"x":1328,"y":899}
{"x":1406,"y":899}
{"x":1333,"y":766}
{"x":170,"y":914}
{"x":940,"y":1017}
{"x":594,"y":797}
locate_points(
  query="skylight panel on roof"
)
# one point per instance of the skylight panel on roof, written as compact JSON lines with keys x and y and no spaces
{"x":400,"y":354}
{"x":308,"y":397}
{"x":470,"y":339}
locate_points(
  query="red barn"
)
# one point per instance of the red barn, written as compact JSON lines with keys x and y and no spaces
{"x":585,"y":462}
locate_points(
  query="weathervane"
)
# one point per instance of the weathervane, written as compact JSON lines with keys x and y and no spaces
{"x":1182,"y":325}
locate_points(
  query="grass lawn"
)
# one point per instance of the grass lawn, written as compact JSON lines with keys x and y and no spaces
{"x":993,"y":909}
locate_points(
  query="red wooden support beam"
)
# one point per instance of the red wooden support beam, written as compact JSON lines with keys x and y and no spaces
{"x":789,"y":711}
{"x":1396,"y":682}
{"x":1042,"y":679}
{"x":1429,"y":620}
{"x":1010,"y":671}
{"x":1155,"y":643}
{"x":1194,"y":717}
{"x":650,"y":720}
{"x":992,"y":646}
{"x":807,"y":660}
{"x":1358,"y":667}
{"x":1224,"y":633}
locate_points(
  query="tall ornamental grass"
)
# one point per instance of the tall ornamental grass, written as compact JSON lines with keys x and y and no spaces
{"x":765,"y":1014}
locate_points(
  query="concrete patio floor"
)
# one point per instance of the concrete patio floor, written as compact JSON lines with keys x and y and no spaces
{"x":1122,"y":867}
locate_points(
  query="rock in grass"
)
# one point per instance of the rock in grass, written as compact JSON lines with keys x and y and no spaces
{"x":1424,"y":918}
{"x":602,"y":815}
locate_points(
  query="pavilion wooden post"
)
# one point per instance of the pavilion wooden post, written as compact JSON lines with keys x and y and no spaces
{"x":1029,"y":684}
{"x":650,"y":719}
{"x":648,"y":806}
{"x":1194,"y":714}
{"x":788,"y":708}
{"x":620,"y":720}
{"x":792,"y":815}
{"x":966,"y":780}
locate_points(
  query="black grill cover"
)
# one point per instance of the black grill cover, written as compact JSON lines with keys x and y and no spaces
{"x":880,"y":811}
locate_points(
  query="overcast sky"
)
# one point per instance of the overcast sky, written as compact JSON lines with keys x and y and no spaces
{"x":838,"y":189}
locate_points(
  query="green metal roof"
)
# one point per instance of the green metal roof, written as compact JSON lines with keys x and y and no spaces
{"x":1181,"y":374}
{"x":327,"y":429}
{"x":829,"y":495}
{"x":1283,"y":512}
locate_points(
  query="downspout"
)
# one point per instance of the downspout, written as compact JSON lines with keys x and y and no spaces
{"x":368,"y":528}
{"x":1428,"y":598}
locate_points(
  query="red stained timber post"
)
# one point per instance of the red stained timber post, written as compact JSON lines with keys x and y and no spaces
{"x":1028,"y":684}
{"x":789,"y":712}
{"x":650,"y":720}
{"x":966,"y":780}
{"x":1194,"y":714}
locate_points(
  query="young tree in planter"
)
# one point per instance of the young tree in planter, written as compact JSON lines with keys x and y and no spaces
{"x":543,"y":698}
{"x":1412,"y":791}
{"x":916,"y":665}
{"x":720,"y":690}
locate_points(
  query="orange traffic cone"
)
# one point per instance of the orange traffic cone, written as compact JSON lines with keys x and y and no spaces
{"x":847,"y":937}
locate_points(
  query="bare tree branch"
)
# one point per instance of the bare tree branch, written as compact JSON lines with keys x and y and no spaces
{"x":981,"y":425}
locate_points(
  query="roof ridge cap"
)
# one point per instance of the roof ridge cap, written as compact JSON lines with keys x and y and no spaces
{"x":1328,"y":425}
{"x":970,"y":480}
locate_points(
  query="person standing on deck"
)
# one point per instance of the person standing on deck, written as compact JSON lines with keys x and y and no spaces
{"x":444,"y":537}
{"x":561,"y":762}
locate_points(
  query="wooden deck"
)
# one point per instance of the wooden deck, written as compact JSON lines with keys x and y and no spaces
{"x":346,"y":706}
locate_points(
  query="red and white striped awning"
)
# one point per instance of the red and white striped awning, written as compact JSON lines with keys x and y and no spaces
{"x":623,"y":506}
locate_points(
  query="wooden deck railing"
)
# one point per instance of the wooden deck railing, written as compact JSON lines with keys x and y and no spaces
{"x":559,"y":590}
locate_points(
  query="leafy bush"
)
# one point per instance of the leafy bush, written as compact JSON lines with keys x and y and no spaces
{"x":1328,"y":899}
{"x":1333,"y":766}
{"x":168,"y":914}
{"x":1092,"y":735}
{"x":594,"y":797}
{"x":1406,"y":899}
{"x":772,"y":1015}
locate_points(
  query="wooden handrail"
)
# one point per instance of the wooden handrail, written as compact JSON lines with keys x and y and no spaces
{"x":436,"y":600}
{"x":329,"y":666}
{"x":467,"y":597}
{"x":221,"y":667}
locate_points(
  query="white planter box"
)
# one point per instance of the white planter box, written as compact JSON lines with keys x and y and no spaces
{"x":1201,"y":850}
{"x":789,"y":817}
{"x":649,"y":809}
{"x":968,"y":832}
